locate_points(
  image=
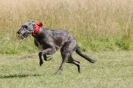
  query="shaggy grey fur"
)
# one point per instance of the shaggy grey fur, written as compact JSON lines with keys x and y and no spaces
{"x":51,"y":40}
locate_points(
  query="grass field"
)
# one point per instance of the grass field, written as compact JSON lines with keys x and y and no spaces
{"x":97,"y":24}
{"x":103,"y":28}
{"x":112,"y":70}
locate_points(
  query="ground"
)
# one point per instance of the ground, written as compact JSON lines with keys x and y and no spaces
{"x":114,"y":69}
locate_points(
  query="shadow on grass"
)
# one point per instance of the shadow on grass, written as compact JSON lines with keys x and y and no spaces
{"x":19,"y":76}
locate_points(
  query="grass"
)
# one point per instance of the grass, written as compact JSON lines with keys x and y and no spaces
{"x":112,"y":70}
{"x":103,"y":26}
{"x":97,"y":25}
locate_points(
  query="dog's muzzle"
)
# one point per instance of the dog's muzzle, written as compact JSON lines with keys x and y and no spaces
{"x":22,"y":35}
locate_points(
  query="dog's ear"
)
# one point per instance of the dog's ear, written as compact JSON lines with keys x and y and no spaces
{"x":40,"y":24}
{"x":32,"y":22}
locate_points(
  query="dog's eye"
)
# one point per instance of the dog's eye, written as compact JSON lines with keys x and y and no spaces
{"x":24,"y":26}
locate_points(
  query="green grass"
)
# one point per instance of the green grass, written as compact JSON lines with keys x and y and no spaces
{"x":112,"y":70}
{"x":103,"y":26}
{"x":97,"y":25}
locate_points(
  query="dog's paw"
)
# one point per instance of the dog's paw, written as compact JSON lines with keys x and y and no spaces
{"x":93,"y":61}
{"x":40,"y":63}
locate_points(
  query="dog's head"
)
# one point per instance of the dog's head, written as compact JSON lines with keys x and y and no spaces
{"x":29,"y":27}
{"x":26,"y":29}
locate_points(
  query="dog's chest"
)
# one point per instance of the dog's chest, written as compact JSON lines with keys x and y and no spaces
{"x":41,"y":44}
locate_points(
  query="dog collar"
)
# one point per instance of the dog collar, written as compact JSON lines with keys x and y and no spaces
{"x":37,"y":28}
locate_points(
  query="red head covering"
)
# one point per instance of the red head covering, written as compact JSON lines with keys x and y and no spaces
{"x":37,"y":28}
{"x":39,"y":24}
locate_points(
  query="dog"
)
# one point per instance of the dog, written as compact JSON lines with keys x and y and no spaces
{"x":50,"y":40}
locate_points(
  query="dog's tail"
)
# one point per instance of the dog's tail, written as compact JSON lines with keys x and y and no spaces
{"x":88,"y":58}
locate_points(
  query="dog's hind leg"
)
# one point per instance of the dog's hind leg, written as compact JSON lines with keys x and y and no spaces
{"x":75,"y":62}
{"x":65,"y":57}
{"x":66,"y":51}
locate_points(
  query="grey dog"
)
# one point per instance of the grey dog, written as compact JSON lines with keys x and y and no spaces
{"x":50,"y":40}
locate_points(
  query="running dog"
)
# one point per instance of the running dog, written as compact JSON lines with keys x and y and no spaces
{"x":50,"y":40}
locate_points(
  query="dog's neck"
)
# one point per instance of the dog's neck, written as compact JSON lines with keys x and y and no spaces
{"x":37,"y":29}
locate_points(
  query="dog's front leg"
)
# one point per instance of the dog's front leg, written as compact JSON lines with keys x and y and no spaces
{"x":47,"y":57}
{"x":40,"y":58}
{"x":42,"y":54}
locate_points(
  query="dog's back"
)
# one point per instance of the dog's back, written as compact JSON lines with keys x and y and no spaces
{"x":58,"y":36}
